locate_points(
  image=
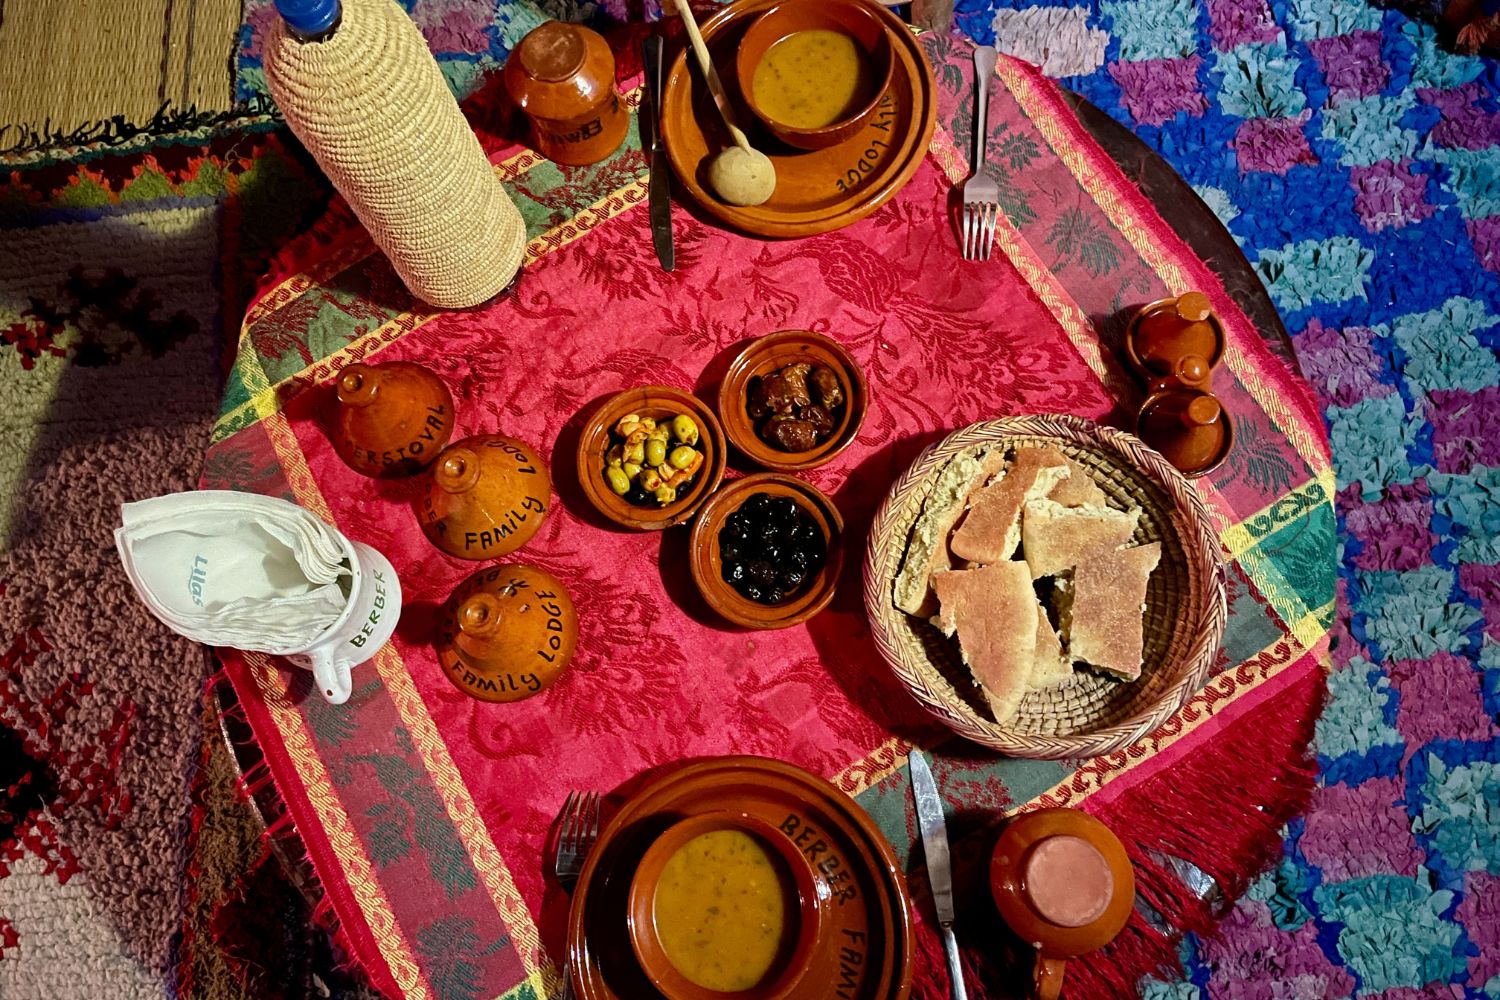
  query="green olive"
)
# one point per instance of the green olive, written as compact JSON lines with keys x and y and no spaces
{"x":656,"y":451}
{"x":631,"y":469}
{"x":682,"y":456}
{"x":633,"y":453}
{"x":650,"y":480}
{"x":618,"y":481}
{"x":665,"y":495}
{"x":684,"y":429}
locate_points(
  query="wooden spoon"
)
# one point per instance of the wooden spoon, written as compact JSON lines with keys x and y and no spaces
{"x":741,"y":174}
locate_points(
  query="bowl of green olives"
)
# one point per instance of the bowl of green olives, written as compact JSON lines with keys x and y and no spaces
{"x":767,"y":551}
{"x":650,"y":456}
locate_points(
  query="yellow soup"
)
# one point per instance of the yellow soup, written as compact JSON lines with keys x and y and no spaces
{"x":720,"y":910}
{"x":813,"y":78}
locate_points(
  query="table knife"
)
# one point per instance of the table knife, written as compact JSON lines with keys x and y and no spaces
{"x":659,"y":197}
{"x":939,"y":873}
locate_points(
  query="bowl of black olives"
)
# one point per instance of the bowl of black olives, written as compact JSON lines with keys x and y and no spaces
{"x":767,"y":550}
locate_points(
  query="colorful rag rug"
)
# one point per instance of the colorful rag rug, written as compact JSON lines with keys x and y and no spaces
{"x":424,"y":812}
{"x":118,"y":268}
{"x":1356,"y":162}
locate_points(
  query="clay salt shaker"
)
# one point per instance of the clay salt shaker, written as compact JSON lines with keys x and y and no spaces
{"x":562,"y":77}
{"x":487,"y":496}
{"x":507,"y":633}
{"x":1187,"y":426}
{"x":389,"y":420}
{"x":1177,"y":338}
{"x":1065,"y":885}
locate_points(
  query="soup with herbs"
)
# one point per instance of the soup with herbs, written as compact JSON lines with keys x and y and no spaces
{"x":721,"y":908}
{"x":811,"y":79}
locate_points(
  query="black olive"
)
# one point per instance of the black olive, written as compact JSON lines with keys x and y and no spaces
{"x":734,"y":572}
{"x":730,"y":553}
{"x":639,"y":497}
{"x":773,"y":596}
{"x":784,"y":508}
{"x":761,"y":571}
{"x":792,"y":578}
{"x":752,"y":591}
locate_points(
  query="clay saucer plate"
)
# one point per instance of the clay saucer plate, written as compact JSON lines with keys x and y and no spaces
{"x":763,"y":356}
{"x":864,"y":946}
{"x":819,"y":190}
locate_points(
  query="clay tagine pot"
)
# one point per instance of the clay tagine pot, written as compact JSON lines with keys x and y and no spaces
{"x":487,"y":496}
{"x":389,"y":420}
{"x":562,"y":77}
{"x":1177,"y":338}
{"x":1189,"y":427}
{"x":507,"y":633}
{"x":1064,"y":884}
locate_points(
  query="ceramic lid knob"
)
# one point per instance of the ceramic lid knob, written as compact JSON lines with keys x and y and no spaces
{"x":487,"y":496}
{"x":507,"y":633}
{"x":1194,"y":307}
{"x":1193,"y":369}
{"x":389,"y":420}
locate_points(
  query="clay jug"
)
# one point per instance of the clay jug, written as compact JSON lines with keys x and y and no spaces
{"x":562,"y":77}
{"x":1063,"y":882}
{"x":487,"y":496}
{"x":1187,"y":426}
{"x":389,"y":420}
{"x":1167,"y":334}
{"x":507,"y":633}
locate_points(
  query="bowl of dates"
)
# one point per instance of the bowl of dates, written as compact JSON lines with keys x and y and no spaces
{"x":792,"y":400}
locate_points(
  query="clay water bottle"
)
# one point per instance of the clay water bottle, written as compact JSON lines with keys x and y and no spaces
{"x":359,"y":86}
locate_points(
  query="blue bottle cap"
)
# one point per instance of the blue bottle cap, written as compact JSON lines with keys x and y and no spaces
{"x":309,"y":17}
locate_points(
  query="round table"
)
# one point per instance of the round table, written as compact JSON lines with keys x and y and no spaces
{"x":1204,"y":238}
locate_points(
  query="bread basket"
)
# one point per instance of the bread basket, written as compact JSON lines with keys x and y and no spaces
{"x":1092,"y":715}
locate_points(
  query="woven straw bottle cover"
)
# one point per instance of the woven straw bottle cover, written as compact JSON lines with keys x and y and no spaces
{"x":371,"y":105}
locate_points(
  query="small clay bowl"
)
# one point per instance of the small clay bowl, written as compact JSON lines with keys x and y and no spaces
{"x":801,"y":923}
{"x":851,"y":18}
{"x":764,"y":355}
{"x":1165,"y":422}
{"x":707,"y":565}
{"x":655,"y":401}
{"x":1174,"y":350}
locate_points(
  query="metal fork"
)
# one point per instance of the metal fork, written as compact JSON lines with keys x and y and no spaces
{"x":578,"y":829}
{"x":981,"y":194}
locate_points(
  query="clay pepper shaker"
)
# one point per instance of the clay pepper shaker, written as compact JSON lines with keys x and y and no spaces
{"x":562,"y":77}
{"x":507,"y":633}
{"x":1175,"y":342}
{"x":389,"y":420}
{"x":1189,"y":427}
{"x":1064,"y":884}
{"x":487,"y":496}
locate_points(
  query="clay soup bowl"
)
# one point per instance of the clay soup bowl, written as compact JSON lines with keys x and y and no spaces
{"x":801,"y":926}
{"x":851,"y":18}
